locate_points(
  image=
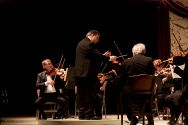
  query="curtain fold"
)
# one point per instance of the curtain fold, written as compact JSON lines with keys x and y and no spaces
{"x":163,"y":42}
{"x":163,"y":34}
{"x":176,"y":7}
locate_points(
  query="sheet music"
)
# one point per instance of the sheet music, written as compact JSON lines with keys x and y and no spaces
{"x":175,"y":75}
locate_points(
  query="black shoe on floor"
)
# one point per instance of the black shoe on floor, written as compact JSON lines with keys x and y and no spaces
{"x":57,"y":116}
{"x":96,"y":118}
{"x":150,"y":124}
{"x":81,"y":118}
{"x":134,"y":122}
{"x":44,"y":117}
{"x":172,"y":122}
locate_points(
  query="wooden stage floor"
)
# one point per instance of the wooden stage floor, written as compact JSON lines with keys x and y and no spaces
{"x":109,"y":120}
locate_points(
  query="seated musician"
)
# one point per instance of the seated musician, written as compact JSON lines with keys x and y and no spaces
{"x":183,"y":101}
{"x":100,"y":91}
{"x":138,"y":64}
{"x":163,"y":80}
{"x":50,"y":85}
{"x":172,"y":99}
{"x":103,"y":80}
{"x":107,"y":85}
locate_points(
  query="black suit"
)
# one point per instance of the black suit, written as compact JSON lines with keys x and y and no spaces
{"x":183,"y":101}
{"x":55,"y":96}
{"x":87,"y":64}
{"x":138,"y":64}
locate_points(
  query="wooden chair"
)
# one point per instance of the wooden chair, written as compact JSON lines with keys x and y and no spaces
{"x":141,"y":95}
{"x":50,"y":108}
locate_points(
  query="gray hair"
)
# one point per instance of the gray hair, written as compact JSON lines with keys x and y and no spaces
{"x":139,"y":48}
{"x":45,"y":60}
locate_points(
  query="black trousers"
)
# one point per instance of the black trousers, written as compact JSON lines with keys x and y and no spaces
{"x":86,"y":97}
{"x":172,"y":101}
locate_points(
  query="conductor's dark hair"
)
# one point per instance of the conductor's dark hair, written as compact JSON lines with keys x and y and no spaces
{"x":92,"y":32}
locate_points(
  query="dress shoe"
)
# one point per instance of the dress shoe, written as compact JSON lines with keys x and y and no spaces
{"x":65,"y":116}
{"x":56,"y":117}
{"x":89,"y":117}
{"x":150,"y":123}
{"x":93,"y":118}
{"x":43,"y":117}
{"x":96,"y":118}
{"x":134,"y":122}
{"x":172,"y":122}
{"x":81,"y":118}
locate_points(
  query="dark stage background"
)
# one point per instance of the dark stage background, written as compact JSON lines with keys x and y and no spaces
{"x":34,"y":30}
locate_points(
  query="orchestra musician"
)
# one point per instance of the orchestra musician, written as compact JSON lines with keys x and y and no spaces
{"x":177,"y":81}
{"x":100,"y":93}
{"x":138,"y":64}
{"x":163,"y":79}
{"x":49,"y":85}
{"x":184,"y":98}
{"x":106,"y":86}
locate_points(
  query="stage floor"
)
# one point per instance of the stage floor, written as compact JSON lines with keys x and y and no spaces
{"x":109,"y":120}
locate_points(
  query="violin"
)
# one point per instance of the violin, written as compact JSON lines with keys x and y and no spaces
{"x":165,"y":71}
{"x":116,"y":62}
{"x":106,"y":76}
{"x":101,"y":77}
{"x":56,"y":72}
{"x":177,"y":59}
{"x":160,"y":67}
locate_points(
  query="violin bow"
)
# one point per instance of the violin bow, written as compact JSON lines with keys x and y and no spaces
{"x":104,"y":68}
{"x":59,"y":65}
{"x":62,"y":65}
{"x":119,"y":51}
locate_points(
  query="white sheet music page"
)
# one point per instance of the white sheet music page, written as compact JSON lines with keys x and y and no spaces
{"x":174,"y":75}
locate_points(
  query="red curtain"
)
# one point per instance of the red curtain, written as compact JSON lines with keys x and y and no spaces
{"x":163,"y":33}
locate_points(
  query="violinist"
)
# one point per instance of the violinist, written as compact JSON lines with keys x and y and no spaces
{"x":162,"y":80}
{"x":100,"y":93}
{"x":183,"y":99}
{"x":159,"y":66}
{"x":104,"y":78}
{"x":138,"y":64}
{"x":162,"y":71}
{"x":105,"y":88}
{"x":110,"y":76}
{"x":49,"y":86}
{"x":177,"y":81}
